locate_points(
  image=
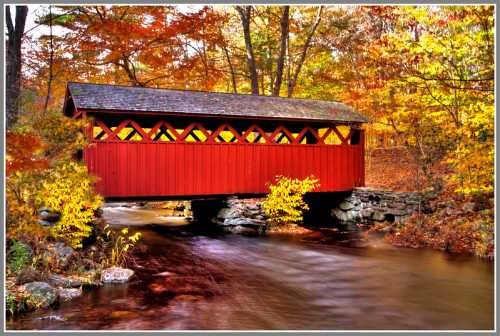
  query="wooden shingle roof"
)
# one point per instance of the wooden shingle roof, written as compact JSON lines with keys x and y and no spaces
{"x":104,"y":97}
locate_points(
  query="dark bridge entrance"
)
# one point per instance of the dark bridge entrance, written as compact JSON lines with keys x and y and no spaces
{"x":157,"y":142}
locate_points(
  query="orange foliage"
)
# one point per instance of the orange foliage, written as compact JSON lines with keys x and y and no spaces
{"x":23,"y":152}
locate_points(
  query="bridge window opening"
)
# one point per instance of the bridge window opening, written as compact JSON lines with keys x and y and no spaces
{"x":226,"y":136}
{"x":307,"y":137}
{"x":99,"y":133}
{"x":173,"y":130}
{"x":282,"y":138}
{"x":196,"y":134}
{"x":254,"y":135}
{"x":130,"y":134}
{"x":163,"y":134}
{"x":355,"y":137}
{"x":329,"y":136}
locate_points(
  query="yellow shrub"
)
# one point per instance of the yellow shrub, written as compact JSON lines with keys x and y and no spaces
{"x":67,"y":189}
{"x":285,"y":202}
{"x":21,"y":216}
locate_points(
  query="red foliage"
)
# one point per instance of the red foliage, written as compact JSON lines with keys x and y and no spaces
{"x":23,"y":152}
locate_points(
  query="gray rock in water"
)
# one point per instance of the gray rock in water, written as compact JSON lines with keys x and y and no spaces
{"x":244,"y":221}
{"x":26,"y":275}
{"x":66,"y":294}
{"x":366,"y":213}
{"x":253,"y":206}
{"x":243,"y":230}
{"x":116,"y":275}
{"x":340,"y":215}
{"x":44,"y":294}
{"x":353,"y":215}
{"x":60,"y":252}
{"x":51,"y":318}
{"x":57,"y":280}
{"x":346,"y":205}
{"x":228,"y":213}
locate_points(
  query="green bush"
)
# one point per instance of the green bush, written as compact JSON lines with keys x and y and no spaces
{"x":19,"y":256}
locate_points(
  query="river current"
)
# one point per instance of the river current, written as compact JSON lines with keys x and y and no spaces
{"x":195,"y":280}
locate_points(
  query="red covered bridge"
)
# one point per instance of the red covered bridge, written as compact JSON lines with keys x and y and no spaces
{"x":156,"y":142}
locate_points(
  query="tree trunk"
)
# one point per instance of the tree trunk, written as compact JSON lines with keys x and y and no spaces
{"x":51,"y":63}
{"x":13,"y":62}
{"x":245,"y":13}
{"x":283,"y":42}
{"x":231,"y":68}
{"x":293,"y":81}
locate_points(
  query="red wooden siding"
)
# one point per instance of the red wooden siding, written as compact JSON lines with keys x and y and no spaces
{"x":135,"y":161}
{"x":128,"y":169}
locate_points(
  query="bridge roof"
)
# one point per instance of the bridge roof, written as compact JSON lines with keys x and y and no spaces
{"x":131,"y":99}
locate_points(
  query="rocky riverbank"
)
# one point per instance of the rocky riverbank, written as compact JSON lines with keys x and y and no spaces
{"x":42,"y":273}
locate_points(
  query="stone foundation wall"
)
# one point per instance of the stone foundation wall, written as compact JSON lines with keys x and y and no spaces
{"x":368,"y":205}
{"x":246,"y":216}
{"x":242,"y":216}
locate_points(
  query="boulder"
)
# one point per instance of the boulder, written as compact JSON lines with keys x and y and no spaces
{"x":366,"y":213}
{"x":228,"y":213}
{"x":66,"y":294}
{"x":27,"y":274}
{"x":346,"y":205}
{"x":244,"y":221}
{"x":378,"y":216}
{"x":340,"y":215}
{"x":98,"y":212}
{"x":49,"y":216}
{"x":243,"y":230}
{"x":57,"y":280}
{"x":60,"y":252}
{"x":253,"y":206}
{"x":51,"y":318}
{"x":353,"y":215}
{"x":116,"y":275}
{"x":44,"y":294}
{"x":45,"y":223}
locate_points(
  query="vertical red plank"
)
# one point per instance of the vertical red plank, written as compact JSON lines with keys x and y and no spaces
{"x":362,"y":157}
{"x":179,"y":160}
{"x":168,"y":168}
{"x":212,"y":157}
{"x":236,"y":183}
{"x":139,"y":169}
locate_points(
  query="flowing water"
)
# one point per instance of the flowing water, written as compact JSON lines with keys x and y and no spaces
{"x":187,"y":280}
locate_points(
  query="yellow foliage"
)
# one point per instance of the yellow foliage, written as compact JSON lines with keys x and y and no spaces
{"x":285,"y":202}
{"x":67,"y":189}
{"x":121,"y":244}
{"x":21,"y":216}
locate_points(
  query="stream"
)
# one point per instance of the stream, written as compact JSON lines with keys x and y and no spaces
{"x":194,"y":280}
